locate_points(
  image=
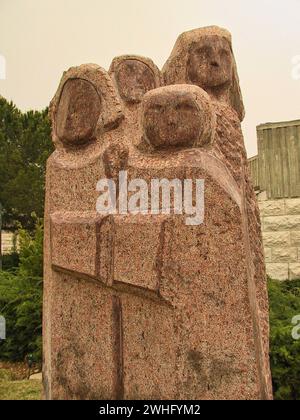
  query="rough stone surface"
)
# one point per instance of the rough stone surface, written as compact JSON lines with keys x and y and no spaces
{"x":277,"y":239}
{"x":144,"y":306}
{"x":81,"y":316}
{"x":278,"y":271}
{"x":281,"y":235}
{"x":268,"y":254}
{"x":262,"y":196}
{"x":272,"y":208}
{"x":204,"y":57}
{"x":131,"y":87}
{"x":281,"y":223}
{"x":177,"y":116}
{"x":218,"y":76}
{"x":78,"y":98}
{"x":292,"y":206}
{"x":294,"y":271}
{"x":284,"y":255}
{"x":295,"y":238}
{"x":134,"y":76}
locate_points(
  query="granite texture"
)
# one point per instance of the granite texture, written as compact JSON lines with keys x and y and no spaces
{"x":143,"y":306}
{"x":213,"y":47}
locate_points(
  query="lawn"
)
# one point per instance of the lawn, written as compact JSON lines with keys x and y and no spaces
{"x":20,"y":389}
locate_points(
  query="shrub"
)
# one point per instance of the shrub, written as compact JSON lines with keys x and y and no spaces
{"x":284,"y":350}
{"x":21,"y":299}
{"x":10,"y":261}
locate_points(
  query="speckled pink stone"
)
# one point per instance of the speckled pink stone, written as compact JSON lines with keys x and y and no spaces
{"x":144,"y":306}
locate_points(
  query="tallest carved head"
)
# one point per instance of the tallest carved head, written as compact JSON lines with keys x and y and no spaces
{"x":204,"y":57}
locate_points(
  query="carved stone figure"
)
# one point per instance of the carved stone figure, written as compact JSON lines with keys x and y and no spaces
{"x":168,"y":302}
{"x":200,"y":326}
{"x":177,"y":117}
{"x":80,"y":315}
{"x":205,"y":57}
{"x":134,"y":76}
{"x":78,"y":99}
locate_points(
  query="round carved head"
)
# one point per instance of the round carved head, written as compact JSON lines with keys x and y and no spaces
{"x":204,"y":57}
{"x":210,"y":62}
{"x":134,"y":76}
{"x":84,"y":106}
{"x":177,"y":116}
{"x":78,"y":112}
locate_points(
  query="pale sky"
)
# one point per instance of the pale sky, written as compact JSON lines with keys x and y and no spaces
{"x":41,"y":38}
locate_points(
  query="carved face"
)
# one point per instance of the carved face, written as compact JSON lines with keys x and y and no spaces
{"x":134,"y":79}
{"x":210,"y":62}
{"x":172,"y":119}
{"x":78,"y":112}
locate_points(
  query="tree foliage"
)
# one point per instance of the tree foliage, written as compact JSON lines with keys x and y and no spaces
{"x":25,"y":145}
{"x":21,"y":299}
{"x":285,"y":351}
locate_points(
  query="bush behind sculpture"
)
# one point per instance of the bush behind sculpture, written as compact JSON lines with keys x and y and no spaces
{"x":285,"y":351}
{"x":21,"y":299}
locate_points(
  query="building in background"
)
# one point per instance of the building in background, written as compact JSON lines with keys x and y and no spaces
{"x":7,"y":242}
{"x":276,"y":176}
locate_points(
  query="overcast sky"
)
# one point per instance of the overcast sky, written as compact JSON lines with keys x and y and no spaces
{"x":41,"y":38}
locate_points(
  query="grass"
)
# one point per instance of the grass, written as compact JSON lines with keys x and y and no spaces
{"x":19,"y":390}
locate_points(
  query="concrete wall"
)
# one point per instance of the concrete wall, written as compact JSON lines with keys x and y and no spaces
{"x":281,"y":235}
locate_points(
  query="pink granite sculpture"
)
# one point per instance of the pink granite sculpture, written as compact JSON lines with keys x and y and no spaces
{"x":133,"y":76}
{"x":205,"y":57}
{"x":154,"y":304}
{"x":80,"y":320}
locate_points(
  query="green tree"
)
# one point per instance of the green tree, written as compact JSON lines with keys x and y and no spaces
{"x":25,"y":145}
{"x":21,"y":299}
{"x":284,"y":350}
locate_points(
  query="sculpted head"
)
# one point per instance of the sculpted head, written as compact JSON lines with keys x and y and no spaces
{"x":177,"y":116}
{"x":84,"y":106}
{"x":134,"y":76}
{"x":78,"y":112}
{"x":204,"y":57}
{"x":210,"y":62}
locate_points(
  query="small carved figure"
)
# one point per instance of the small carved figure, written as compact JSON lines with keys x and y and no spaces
{"x":177,"y":116}
{"x":204,"y":57}
{"x":85,"y":106}
{"x":134,"y":76}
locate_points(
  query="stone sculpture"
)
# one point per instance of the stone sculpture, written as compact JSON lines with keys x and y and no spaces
{"x":205,"y":57}
{"x":134,"y":76}
{"x":85,"y":122}
{"x":144,"y":305}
